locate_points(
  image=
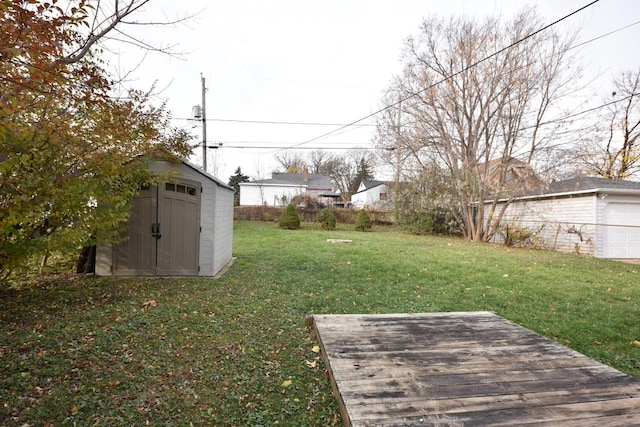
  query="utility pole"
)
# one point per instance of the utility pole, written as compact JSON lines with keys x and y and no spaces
{"x":204,"y":124}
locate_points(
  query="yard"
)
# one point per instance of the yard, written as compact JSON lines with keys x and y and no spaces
{"x":235,"y":351}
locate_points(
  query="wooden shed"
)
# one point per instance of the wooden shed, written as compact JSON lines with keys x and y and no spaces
{"x":179,"y":228}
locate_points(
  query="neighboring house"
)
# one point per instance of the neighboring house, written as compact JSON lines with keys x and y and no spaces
{"x":179,"y":228}
{"x":372,"y":194}
{"x":281,"y":188}
{"x":511,"y":177}
{"x":591,"y":216}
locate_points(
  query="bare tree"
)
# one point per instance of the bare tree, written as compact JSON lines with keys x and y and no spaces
{"x":318,"y":161}
{"x":615,"y":153}
{"x":476,"y":108}
{"x":291,"y":161}
{"x":346,"y":171}
{"x":349,"y":170}
{"x":107,"y":22}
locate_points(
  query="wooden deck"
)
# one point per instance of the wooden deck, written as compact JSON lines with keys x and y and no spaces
{"x":466,"y":369}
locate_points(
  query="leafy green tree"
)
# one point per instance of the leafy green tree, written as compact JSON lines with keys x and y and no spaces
{"x":71,"y":156}
{"x":363,"y":222}
{"x":363,"y":172}
{"x":234,"y":181}
{"x":327,"y":219}
{"x":289,"y":218}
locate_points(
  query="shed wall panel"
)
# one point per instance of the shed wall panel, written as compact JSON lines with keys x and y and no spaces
{"x":223,"y":242}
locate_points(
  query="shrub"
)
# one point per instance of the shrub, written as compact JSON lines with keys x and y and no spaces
{"x":289,"y":218}
{"x":327,"y":219}
{"x":433,"y":220}
{"x":515,"y":235}
{"x":363,"y":223}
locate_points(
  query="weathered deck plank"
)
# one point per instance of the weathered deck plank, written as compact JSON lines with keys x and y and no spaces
{"x":466,"y":369}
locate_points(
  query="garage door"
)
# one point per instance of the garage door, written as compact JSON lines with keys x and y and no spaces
{"x":622,"y":230}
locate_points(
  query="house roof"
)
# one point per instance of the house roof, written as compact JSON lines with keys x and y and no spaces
{"x":369,"y":184}
{"x":373,"y":183}
{"x":585,"y":183}
{"x":519,"y":178}
{"x":311,"y":180}
{"x":581,"y":186}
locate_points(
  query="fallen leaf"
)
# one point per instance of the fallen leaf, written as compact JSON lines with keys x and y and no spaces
{"x":74,"y":410}
{"x":149,"y":303}
{"x":286,"y":383}
{"x":316,"y":349}
{"x":311,"y":364}
{"x":636,"y":342}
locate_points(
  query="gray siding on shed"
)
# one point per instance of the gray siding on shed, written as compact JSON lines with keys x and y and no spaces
{"x":216,"y":220}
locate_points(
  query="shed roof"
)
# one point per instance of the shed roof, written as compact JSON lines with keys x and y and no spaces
{"x":207,"y":175}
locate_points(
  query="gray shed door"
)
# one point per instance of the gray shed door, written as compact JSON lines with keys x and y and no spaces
{"x":622,"y":230}
{"x":164,"y":232}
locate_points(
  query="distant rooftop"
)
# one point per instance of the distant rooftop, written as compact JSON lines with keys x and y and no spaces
{"x":584,"y":183}
{"x":312,"y":180}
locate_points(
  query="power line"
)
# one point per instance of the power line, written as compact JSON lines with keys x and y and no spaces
{"x":297,"y":148}
{"x":268,"y":122}
{"x":257,"y":144}
{"x":475,"y":64}
{"x":345,"y":125}
{"x":604,"y":35}
{"x":579,"y":113}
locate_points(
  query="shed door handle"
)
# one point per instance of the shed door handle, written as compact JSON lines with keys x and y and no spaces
{"x":155,"y":230}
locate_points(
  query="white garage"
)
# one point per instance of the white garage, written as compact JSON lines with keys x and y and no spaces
{"x":590,"y":216}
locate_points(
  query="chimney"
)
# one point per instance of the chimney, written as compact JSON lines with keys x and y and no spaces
{"x":306,"y":175}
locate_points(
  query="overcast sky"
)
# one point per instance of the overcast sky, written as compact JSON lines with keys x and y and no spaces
{"x":324,"y":62}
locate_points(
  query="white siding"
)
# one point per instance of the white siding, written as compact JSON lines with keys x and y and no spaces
{"x":370,"y":197}
{"x":252,"y":194}
{"x":563,"y":224}
{"x":223,"y":241}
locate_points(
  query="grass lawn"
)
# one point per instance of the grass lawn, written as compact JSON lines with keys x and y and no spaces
{"x":235,"y":351}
